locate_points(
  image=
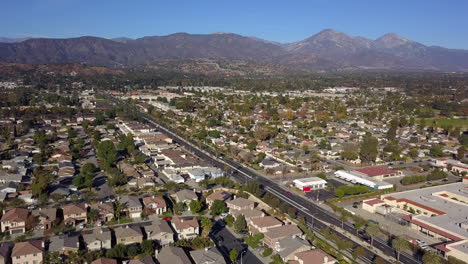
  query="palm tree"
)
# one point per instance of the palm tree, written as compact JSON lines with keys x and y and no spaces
{"x":372,"y":230}
{"x":118,"y":207}
{"x":399,"y":244}
{"x":343,"y":218}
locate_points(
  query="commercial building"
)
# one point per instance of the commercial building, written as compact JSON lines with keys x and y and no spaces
{"x":356,"y":177}
{"x":440,"y":212}
{"x":450,"y":164}
{"x":310,"y":184}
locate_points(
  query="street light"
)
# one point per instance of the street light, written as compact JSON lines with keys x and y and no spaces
{"x":242,"y":253}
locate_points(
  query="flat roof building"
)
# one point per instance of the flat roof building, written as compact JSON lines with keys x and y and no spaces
{"x":309,"y":184}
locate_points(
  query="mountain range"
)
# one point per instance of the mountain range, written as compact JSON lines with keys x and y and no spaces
{"x":326,"y":50}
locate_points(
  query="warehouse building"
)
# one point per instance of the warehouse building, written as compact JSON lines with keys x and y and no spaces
{"x":310,"y":184}
{"x":360,"y":178}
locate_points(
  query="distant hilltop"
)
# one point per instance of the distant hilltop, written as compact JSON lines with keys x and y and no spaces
{"x":326,"y":50}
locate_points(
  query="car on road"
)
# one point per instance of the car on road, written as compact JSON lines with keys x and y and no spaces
{"x":167,"y":218}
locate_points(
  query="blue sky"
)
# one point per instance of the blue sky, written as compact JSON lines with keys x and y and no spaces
{"x":432,"y":22}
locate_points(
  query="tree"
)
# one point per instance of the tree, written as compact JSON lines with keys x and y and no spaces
{"x":147,"y":247}
{"x":240,"y":225}
{"x":218,"y":207}
{"x":436,"y":151}
{"x":179,"y":208}
{"x":368,"y":151}
{"x":233,"y":255}
{"x":206,"y":224}
{"x":399,"y":244}
{"x":229,"y":220}
{"x":343,"y":218}
{"x":343,"y":244}
{"x":107,"y":153}
{"x":461,"y":153}
{"x":431,"y":257}
{"x":391,"y":133}
{"x":339,"y":193}
{"x":195,"y":206}
{"x":359,"y":252}
{"x":92,"y":215}
{"x":372,"y":230}
{"x":118,"y":207}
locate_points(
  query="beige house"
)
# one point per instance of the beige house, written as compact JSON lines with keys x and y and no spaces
{"x":313,"y":256}
{"x":248,"y":214}
{"x":29,"y":252}
{"x":185,"y":228}
{"x":240,"y":204}
{"x":104,"y":261}
{"x":128,"y":235}
{"x":185,"y":196}
{"x":14,"y":221}
{"x":75,"y":214}
{"x":275,"y":234}
{"x":156,"y":203}
{"x":217,"y":195}
{"x":132,"y":206}
{"x":106,"y":211}
{"x":160,"y":231}
{"x":263,"y":224}
{"x":47,"y":217}
{"x":97,"y":239}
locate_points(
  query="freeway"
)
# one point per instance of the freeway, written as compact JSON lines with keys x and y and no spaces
{"x":316,"y":217}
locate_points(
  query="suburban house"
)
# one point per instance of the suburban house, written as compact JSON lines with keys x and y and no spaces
{"x":128,"y":235}
{"x":248,"y":213}
{"x":240,"y":204}
{"x":144,"y":260}
{"x":173,"y":255}
{"x":313,"y":256}
{"x":97,"y":239}
{"x":185,"y":196}
{"x":47,"y":217}
{"x":262,"y":224}
{"x":156,"y":203}
{"x":207,"y":256}
{"x":132,"y":206}
{"x":287,"y":247}
{"x":185,"y":228}
{"x":275,"y":234}
{"x":64,"y":244}
{"x":75,"y":214}
{"x":14,"y":221}
{"x":160,"y":231}
{"x":104,"y":261}
{"x":106,"y":211}
{"x":217,"y":195}
{"x":28,"y":252}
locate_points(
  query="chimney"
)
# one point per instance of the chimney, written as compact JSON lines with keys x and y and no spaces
{"x":101,"y":231}
{"x":325,"y":259}
{"x":126,"y":226}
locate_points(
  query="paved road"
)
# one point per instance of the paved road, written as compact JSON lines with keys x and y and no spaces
{"x":313,"y":213}
{"x":225,"y":242}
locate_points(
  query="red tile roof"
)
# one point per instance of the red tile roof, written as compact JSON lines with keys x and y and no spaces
{"x":15,"y":215}
{"x":373,"y":201}
{"x":431,"y":228}
{"x":375,"y":171}
{"x":421,"y":206}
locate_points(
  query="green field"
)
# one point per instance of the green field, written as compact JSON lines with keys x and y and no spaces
{"x":442,"y":122}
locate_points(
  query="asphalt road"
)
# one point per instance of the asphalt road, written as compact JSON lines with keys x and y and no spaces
{"x":225,"y":242}
{"x":311,"y":211}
